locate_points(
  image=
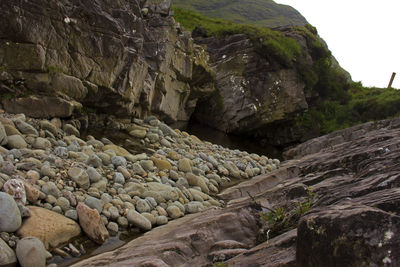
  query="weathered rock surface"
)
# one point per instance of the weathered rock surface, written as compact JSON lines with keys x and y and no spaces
{"x":349,"y":183}
{"x":188,"y":240}
{"x":50,"y":227}
{"x":41,"y":107}
{"x":349,"y":234}
{"x":253,"y":91}
{"x":112,"y":57}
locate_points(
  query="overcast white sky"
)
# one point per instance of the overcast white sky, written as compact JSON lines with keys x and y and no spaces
{"x":363,"y":35}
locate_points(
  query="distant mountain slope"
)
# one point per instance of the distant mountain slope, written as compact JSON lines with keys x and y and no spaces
{"x":255,"y":12}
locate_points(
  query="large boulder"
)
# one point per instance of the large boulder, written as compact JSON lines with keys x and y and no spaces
{"x":348,"y":235}
{"x":50,"y":227}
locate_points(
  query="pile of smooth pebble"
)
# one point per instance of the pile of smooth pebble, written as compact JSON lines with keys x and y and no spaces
{"x":54,"y":185}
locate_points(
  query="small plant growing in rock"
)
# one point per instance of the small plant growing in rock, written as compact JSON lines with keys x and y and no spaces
{"x":220,"y":264}
{"x":284,"y":218}
{"x":273,"y":223}
{"x":305,"y":205}
{"x":273,"y":217}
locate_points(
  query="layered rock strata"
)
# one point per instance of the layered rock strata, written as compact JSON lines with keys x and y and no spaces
{"x":116,"y":57}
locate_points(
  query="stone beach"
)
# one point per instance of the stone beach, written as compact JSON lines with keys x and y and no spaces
{"x":57,"y":185}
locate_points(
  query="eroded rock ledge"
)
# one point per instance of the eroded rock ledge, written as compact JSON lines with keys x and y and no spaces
{"x":115,"y":57}
{"x":353,"y":220}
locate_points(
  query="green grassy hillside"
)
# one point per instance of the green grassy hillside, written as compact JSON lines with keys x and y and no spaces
{"x":267,"y":42}
{"x":253,"y":12}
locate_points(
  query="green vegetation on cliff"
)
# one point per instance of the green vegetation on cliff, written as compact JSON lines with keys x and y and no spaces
{"x":364,"y":104}
{"x":254,"y":12}
{"x":268,"y":42}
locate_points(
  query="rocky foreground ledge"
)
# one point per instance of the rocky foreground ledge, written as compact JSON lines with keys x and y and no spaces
{"x":335,"y":204}
{"x":56,"y":186}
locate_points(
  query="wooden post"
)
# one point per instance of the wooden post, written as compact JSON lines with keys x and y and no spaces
{"x":392,"y":79}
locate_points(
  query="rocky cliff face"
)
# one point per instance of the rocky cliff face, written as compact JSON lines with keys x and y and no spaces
{"x":256,"y":95}
{"x":129,"y":59}
{"x":116,"y":57}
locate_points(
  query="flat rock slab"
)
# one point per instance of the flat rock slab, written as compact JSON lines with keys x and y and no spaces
{"x":185,"y":241}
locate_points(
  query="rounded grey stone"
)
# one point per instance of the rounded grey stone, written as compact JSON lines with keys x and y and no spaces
{"x":61,"y":152}
{"x":94,"y":175}
{"x":79,"y":176}
{"x":114,"y":213}
{"x":10,"y":216}
{"x":122,"y":221}
{"x":72,"y":214}
{"x":16,"y":141}
{"x":94,"y":161}
{"x":50,"y":188}
{"x":46,"y":170}
{"x":41,"y":143}
{"x":31,"y":252}
{"x":119,"y":178}
{"x":106,"y":198}
{"x":194,"y":207}
{"x":94,"y":203}
{"x":148,"y":165}
{"x":25,"y":128}
{"x":161,"y":220}
{"x":142,"y":206}
{"x":71,"y":130}
{"x":63,"y":203}
{"x":150,"y":217}
{"x":57,"y":209}
{"x":174,"y":212}
{"x":118,"y":161}
{"x":112,"y":227}
{"x":138,"y":220}
{"x":7,"y":255}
